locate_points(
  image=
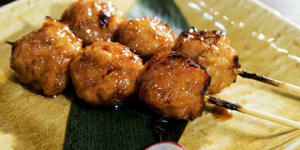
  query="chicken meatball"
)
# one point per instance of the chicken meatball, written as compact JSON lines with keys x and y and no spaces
{"x":106,"y":73}
{"x":93,"y":20}
{"x":42,"y":58}
{"x":145,"y":35}
{"x":211,"y":49}
{"x":174,"y":85}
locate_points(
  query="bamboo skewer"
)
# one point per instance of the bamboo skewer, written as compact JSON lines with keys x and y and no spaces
{"x":277,"y":83}
{"x":10,"y":43}
{"x":252,"y":112}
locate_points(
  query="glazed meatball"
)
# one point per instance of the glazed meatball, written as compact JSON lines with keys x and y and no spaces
{"x":211,"y":49}
{"x":42,"y":58}
{"x":93,"y":20}
{"x":145,"y":35}
{"x":106,"y":73}
{"x":174,"y":85}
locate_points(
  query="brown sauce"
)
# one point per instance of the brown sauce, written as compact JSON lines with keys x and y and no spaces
{"x":221,"y":113}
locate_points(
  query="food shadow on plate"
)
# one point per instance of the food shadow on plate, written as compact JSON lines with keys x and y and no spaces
{"x":14,"y":79}
{"x":131,"y":126}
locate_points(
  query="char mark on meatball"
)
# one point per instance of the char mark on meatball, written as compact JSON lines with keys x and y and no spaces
{"x":168,"y":97}
{"x":108,"y":72}
{"x":202,"y":32}
{"x":217,"y":37}
{"x":202,"y":67}
{"x":175,"y":56}
{"x":93,"y":20}
{"x":194,"y":65}
{"x":49,"y":17}
{"x":104,"y":20}
{"x":236,"y":64}
{"x":218,"y":32}
{"x":187,"y":32}
{"x":206,"y":85}
{"x":191,"y":63}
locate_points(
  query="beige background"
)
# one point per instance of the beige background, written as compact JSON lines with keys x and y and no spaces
{"x":267,"y":44}
{"x":288,"y":8}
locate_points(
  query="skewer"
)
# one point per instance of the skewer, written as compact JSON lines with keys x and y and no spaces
{"x":252,"y":112}
{"x":10,"y":43}
{"x":277,"y":83}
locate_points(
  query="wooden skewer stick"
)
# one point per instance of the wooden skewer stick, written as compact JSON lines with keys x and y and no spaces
{"x":10,"y":43}
{"x":250,"y":75}
{"x":252,"y":112}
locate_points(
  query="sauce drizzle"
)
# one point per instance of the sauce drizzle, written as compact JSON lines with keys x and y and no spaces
{"x":221,"y":113}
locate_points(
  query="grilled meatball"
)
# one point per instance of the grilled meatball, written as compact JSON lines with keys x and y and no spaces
{"x":106,"y":73}
{"x":145,"y":35}
{"x":93,"y":20}
{"x":174,"y":85}
{"x":211,"y":49}
{"x":42,"y":58}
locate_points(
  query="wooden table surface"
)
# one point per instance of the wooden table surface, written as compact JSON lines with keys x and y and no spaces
{"x":289,"y":8}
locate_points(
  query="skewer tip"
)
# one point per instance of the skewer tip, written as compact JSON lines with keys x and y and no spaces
{"x":223,"y":103}
{"x":53,"y":19}
{"x":10,"y":43}
{"x":252,"y":112}
{"x":277,"y":83}
{"x":250,"y":75}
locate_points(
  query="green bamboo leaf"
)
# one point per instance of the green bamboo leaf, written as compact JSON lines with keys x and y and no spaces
{"x":166,"y":10}
{"x":130,"y":127}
